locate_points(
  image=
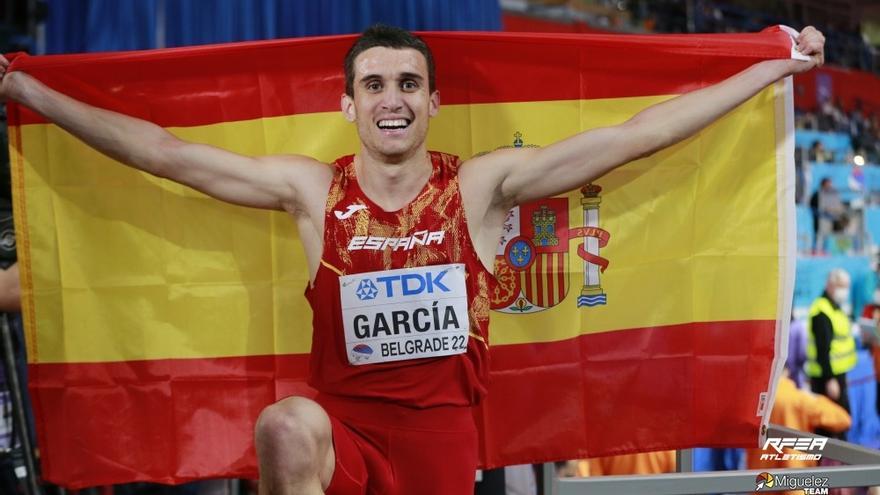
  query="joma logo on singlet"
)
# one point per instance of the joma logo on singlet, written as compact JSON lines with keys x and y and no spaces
{"x":378,"y":243}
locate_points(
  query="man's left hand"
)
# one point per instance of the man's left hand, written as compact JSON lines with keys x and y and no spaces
{"x":811,"y":43}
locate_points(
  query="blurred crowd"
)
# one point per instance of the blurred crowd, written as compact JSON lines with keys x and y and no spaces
{"x":837,"y":207}
{"x":863,"y":129}
{"x":844,"y":43}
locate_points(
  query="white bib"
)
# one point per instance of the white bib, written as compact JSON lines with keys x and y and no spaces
{"x":409,"y":313}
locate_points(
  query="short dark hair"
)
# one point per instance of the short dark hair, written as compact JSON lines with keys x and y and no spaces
{"x":388,"y":37}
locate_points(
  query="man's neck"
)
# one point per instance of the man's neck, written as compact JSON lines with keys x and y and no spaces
{"x":393,"y":185}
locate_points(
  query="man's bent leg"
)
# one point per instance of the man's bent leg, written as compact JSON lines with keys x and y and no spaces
{"x":294,"y":448}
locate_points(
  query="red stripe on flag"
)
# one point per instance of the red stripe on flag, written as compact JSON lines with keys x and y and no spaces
{"x":219,"y":83}
{"x":180,"y":418}
{"x":642,"y":389}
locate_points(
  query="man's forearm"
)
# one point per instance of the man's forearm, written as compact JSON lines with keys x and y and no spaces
{"x":132,"y":141}
{"x":667,"y":123}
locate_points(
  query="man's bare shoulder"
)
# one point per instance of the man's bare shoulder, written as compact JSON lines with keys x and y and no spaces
{"x":309,"y":179}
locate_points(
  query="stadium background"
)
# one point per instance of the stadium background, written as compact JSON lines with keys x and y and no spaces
{"x":837,"y":106}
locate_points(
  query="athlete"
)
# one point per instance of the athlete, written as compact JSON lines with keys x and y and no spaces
{"x":396,"y":373}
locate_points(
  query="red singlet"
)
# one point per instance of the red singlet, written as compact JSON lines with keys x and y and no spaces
{"x":360,"y":237}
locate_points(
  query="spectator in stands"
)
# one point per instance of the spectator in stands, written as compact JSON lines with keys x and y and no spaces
{"x":869,"y":141}
{"x":831,"y":348}
{"x":856,"y":179}
{"x":807,"y":121}
{"x":832,"y":118}
{"x":817,"y":153}
{"x":829,"y":214}
{"x":858,"y":124}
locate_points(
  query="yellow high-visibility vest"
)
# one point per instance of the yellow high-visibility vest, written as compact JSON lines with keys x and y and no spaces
{"x":843,"y":346}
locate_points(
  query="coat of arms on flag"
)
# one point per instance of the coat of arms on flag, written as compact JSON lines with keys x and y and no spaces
{"x":531,"y":263}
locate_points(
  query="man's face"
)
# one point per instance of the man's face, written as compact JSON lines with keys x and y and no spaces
{"x":838,"y":285}
{"x":392,"y":102}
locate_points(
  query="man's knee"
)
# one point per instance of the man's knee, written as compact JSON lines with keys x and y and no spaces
{"x":294,"y":426}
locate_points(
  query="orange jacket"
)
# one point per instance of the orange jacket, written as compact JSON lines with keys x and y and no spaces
{"x":644,"y":463}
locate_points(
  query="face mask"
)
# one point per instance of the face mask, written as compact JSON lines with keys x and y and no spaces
{"x":840,"y":295}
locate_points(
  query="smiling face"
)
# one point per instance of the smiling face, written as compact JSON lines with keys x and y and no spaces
{"x":392,"y":102}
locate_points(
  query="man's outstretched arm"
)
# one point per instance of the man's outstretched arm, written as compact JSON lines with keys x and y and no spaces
{"x":263,"y":182}
{"x":517,"y":176}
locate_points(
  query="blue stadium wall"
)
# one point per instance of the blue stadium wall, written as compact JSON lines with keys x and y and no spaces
{"x":105,"y":25}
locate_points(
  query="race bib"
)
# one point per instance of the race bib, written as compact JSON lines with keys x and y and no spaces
{"x":410,"y":313}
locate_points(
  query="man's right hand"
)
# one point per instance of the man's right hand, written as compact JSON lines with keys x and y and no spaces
{"x":832,"y":389}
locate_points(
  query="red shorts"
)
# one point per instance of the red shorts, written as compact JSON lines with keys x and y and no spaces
{"x":388,"y":449}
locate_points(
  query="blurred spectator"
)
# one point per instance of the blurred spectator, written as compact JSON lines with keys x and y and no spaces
{"x":807,"y":120}
{"x":829,"y":213}
{"x":856,"y":179}
{"x":797,"y":351}
{"x":817,"y":153}
{"x":831,"y":349}
{"x":857,"y":122}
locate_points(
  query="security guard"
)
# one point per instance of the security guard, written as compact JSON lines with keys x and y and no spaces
{"x":831,"y":349}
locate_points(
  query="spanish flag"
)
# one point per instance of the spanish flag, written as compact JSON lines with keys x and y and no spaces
{"x":643,"y":311}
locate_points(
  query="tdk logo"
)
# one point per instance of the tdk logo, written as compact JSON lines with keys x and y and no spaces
{"x":409,"y":284}
{"x":366,"y":290}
